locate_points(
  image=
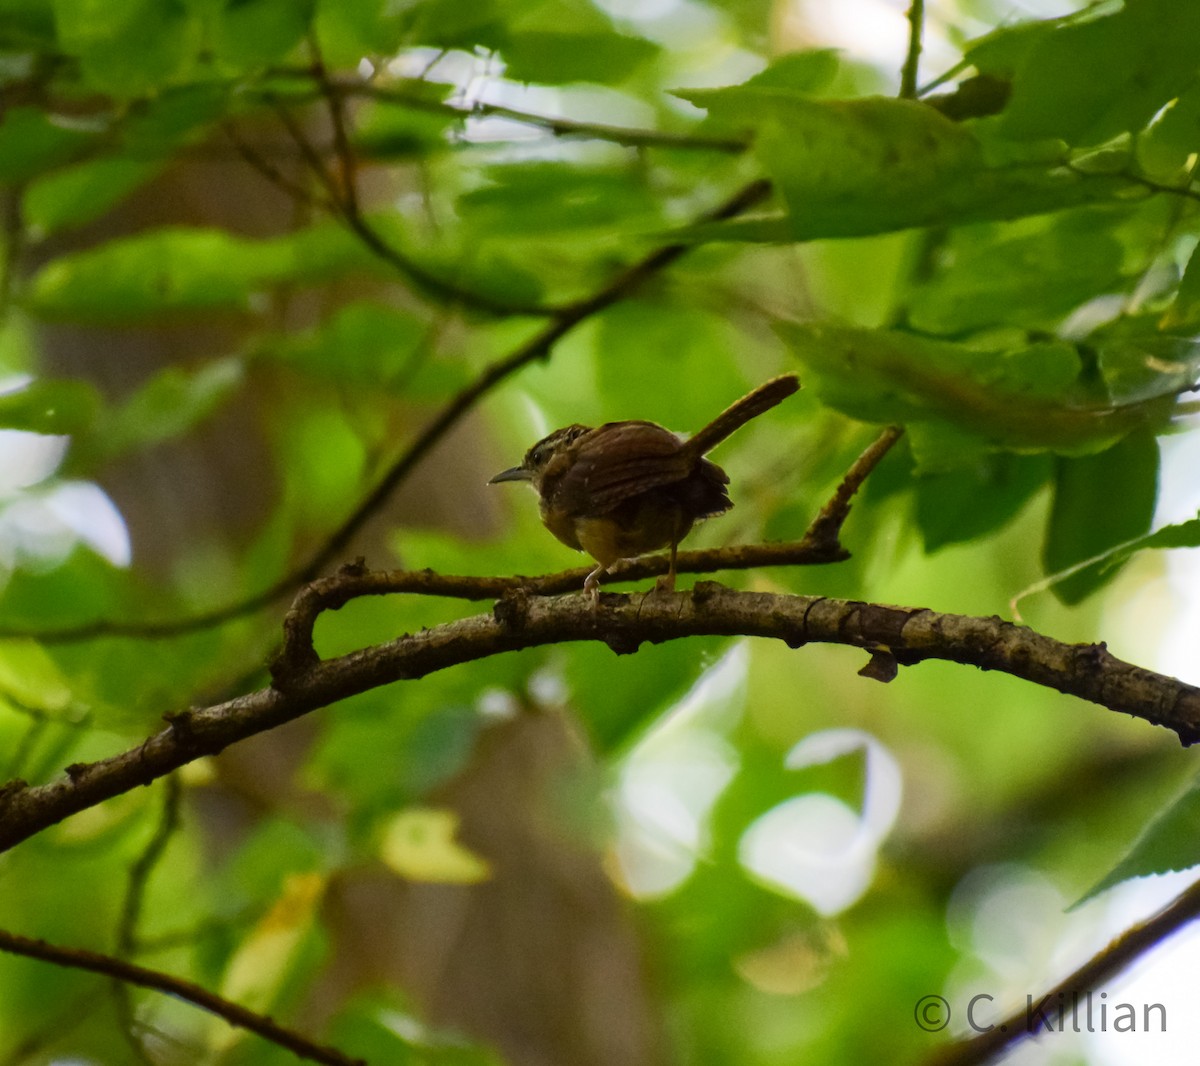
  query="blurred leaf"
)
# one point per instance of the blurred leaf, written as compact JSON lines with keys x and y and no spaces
{"x":349,"y":29}
{"x":1169,"y":843}
{"x":1004,"y":50}
{"x":251,"y":33}
{"x":1166,"y":147}
{"x":553,"y":58}
{"x":1100,"y":501}
{"x":387,"y":129}
{"x":419,"y":844}
{"x":170,"y":404}
{"x":76,"y":195}
{"x":50,"y":406}
{"x":1089,"y":81}
{"x":156,"y":273}
{"x":364,"y":345}
{"x":972,"y":501}
{"x":1024,"y":279}
{"x":1184,"y":312}
{"x":645,"y":344}
{"x":796,"y":72}
{"x":567,"y":196}
{"x":128,"y":47}
{"x":261,"y":965}
{"x":32,"y":141}
{"x":176,"y":270}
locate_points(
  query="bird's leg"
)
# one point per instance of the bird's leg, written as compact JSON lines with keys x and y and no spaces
{"x":591,"y":584}
{"x":666,"y":582}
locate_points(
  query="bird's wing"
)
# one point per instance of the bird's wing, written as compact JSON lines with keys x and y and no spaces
{"x":619,"y":460}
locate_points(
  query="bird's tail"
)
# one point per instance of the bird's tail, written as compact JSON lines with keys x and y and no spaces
{"x":753,"y":404}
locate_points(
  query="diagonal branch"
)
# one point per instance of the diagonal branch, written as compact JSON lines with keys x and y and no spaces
{"x":905,"y":635}
{"x":537,"y":347}
{"x":119,"y":969}
{"x":1115,"y":957}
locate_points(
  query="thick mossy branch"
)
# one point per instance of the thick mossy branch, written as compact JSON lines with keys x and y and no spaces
{"x":520,"y":620}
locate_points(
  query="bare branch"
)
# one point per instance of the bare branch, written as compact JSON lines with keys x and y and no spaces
{"x":827,"y":526}
{"x":1115,"y":957}
{"x":235,"y":1015}
{"x":909,"y":635}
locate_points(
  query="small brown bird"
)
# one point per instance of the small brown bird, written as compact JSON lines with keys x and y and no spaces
{"x":626,"y":488}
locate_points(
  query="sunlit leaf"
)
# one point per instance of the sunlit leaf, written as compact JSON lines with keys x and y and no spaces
{"x":420,"y":845}
{"x":556,"y":57}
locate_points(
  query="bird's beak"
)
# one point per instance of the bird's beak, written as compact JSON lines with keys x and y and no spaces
{"x":513,"y":473}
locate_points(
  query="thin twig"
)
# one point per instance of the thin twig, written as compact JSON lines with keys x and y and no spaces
{"x":827,"y":526}
{"x":131,"y":910}
{"x":339,"y":122}
{"x":626,"y":137}
{"x":235,"y":1015}
{"x":908,"y":73}
{"x":346,"y":209}
{"x":273,"y":174}
{"x":128,"y":941}
{"x":1115,"y":957}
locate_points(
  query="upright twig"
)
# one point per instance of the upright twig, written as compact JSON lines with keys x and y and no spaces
{"x":131,"y":910}
{"x":908,"y":73}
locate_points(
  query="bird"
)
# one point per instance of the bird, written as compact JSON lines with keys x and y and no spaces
{"x":623,"y":489}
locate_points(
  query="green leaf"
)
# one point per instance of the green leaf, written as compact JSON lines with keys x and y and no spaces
{"x":453,"y":24}
{"x":1031,"y":396}
{"x":177,"y":270}
{"x":363,"y":345}
{"x":252,"y":33}
{"x":32,"y":141}
{"x":128,"y":47}
{"x":50,"y":406}
{"x":973,"y":501}
{"x":875,"y":165}
{"x":892,"y":161}
{"x":1091,"y":80}
{"x":1169,"y":843}
{"x":76,"y":195}
{"x":166,"y":270}
{"x":555,"y":58}
{"x":1002,"y":52}
{"x":1100,"y":501}
{"x":1184,"y":312}
{"x":1164,"y":149}
{"x":568,"y":197}
{"x":170,"y":404}
{"x":392,"y":129}
{"x":1178,"y":535}
{"x":1024,"y":280}
{"x":798,"y":72}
